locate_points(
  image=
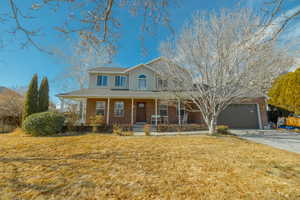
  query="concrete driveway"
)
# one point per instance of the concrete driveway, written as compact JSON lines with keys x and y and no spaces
{"x":289,"y":141}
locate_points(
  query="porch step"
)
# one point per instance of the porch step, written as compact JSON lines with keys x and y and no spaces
{"x":139,"y":124}
{"x":139,"y":127}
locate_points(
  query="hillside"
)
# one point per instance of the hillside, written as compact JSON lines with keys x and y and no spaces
{"x":5,"y":90}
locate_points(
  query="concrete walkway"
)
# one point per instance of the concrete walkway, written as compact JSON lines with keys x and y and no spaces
{"x":289,"y":141}
{"x":172,"y":133}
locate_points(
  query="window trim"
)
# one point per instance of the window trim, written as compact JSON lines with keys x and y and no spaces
{"x":120,"y":78}
{"x":167,"y":109}
{"x":142,"y":79}
{"x":116,"y":109}
{"x":99,"y":83}
{"x":182,"y":108}
{"x":104,"y":108}
{"x":162,"y":84}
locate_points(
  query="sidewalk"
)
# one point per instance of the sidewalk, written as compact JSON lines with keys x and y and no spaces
{"x":286,"y":140}
{"x":172,"y":133}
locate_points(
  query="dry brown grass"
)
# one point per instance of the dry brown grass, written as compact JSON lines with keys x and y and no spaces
{"x":111,"y":167}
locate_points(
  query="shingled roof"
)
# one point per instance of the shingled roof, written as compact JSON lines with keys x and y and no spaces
{"x":108,"y":69}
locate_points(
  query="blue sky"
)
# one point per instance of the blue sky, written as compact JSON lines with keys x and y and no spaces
{"x":18,"y":65}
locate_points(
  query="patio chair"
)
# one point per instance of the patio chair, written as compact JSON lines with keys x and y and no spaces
{"x":165,"y":119}
{"x":154,"y":118}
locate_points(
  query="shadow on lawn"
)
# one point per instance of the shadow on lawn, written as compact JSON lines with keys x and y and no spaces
{"x":74,"y":134}
{"x":129,"y":155}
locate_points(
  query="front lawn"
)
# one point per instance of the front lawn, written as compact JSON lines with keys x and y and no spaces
{"x":177,"y":167}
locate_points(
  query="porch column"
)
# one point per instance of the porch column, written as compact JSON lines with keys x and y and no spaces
{"x":107,"y":114}
{"x":132,"y":106}
{"x":179,"y":114}
{"x":155,"y":112}
{"x":62,"y":104}
{"x":83,"y":116}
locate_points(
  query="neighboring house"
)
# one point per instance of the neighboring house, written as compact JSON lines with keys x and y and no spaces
{"x":135,"y":95}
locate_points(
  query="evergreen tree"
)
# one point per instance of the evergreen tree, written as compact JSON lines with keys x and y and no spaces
{"x":31,"y":100}
{"x":44,"y":95}
{"x":285,"y":92}
{"x":274,"y":91}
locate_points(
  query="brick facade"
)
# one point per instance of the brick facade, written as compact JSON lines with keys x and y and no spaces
{"x":193,"y":117}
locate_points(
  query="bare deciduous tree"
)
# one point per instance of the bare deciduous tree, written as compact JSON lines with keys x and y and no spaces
{"x":83,"y":57}
{"x":95,"y":21}
{"x":225,"y":60}
{"x":276,"y":17}
{"x":99,"y":21}
{"x":11,"y":106}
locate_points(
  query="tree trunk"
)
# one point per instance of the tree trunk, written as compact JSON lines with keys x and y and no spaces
{"x":212,"y":126}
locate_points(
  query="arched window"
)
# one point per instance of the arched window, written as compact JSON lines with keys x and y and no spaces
{"x":142,"y":82}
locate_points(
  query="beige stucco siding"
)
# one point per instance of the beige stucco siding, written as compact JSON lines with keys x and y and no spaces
{"x":111,"y":80}
{"x":134,"y":74}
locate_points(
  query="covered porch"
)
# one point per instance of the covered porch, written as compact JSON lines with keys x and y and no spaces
{"x":132,"y":111}
{"x":130,"y":107}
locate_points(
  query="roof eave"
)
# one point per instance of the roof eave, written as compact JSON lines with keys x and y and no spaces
{"x":110,"y":96}
{"x":107,"y":72}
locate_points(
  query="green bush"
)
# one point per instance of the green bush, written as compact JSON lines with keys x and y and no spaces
{"x":44,"y":124}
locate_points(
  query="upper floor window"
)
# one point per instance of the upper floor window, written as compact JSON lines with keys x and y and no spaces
{"x":119,"y":108}
{"x":100,"y":108}
{"x":142,"y":82}
{"x":102,"y":80}
{"x":120,"y":81}
{"x":162,"y":84}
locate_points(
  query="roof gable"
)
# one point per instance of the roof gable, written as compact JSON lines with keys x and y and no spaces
{"x":148,"y":65}
{"x":137,"y":67}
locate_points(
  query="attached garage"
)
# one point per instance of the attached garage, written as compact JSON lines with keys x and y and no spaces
{"x":240,"y":116}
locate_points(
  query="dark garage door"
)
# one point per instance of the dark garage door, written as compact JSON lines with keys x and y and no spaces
{"x":240,"y":116}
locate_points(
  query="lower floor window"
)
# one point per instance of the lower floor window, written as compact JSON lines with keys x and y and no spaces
{"x":100,"y":108}
{"x":163,"y":110}
{"x":182,"y":110}
{"x":119,"y":108}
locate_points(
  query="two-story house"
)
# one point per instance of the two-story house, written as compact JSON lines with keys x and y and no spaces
{"x":135,"y":95}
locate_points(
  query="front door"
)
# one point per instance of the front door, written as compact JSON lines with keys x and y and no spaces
{"x":141,"y":112}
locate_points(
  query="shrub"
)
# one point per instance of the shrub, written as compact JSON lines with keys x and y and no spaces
{"x":122,"y":130}
{"x":147,"y":129}
{"x":96,"y":122}
{"x":71,"y":119}
{"x":222,"y":129}
{"x":127,"y":127}
{"x":127,"y":133}
{"x":117,"y":129}
{"x":178,"y":128}
{"x":44,"y":124}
